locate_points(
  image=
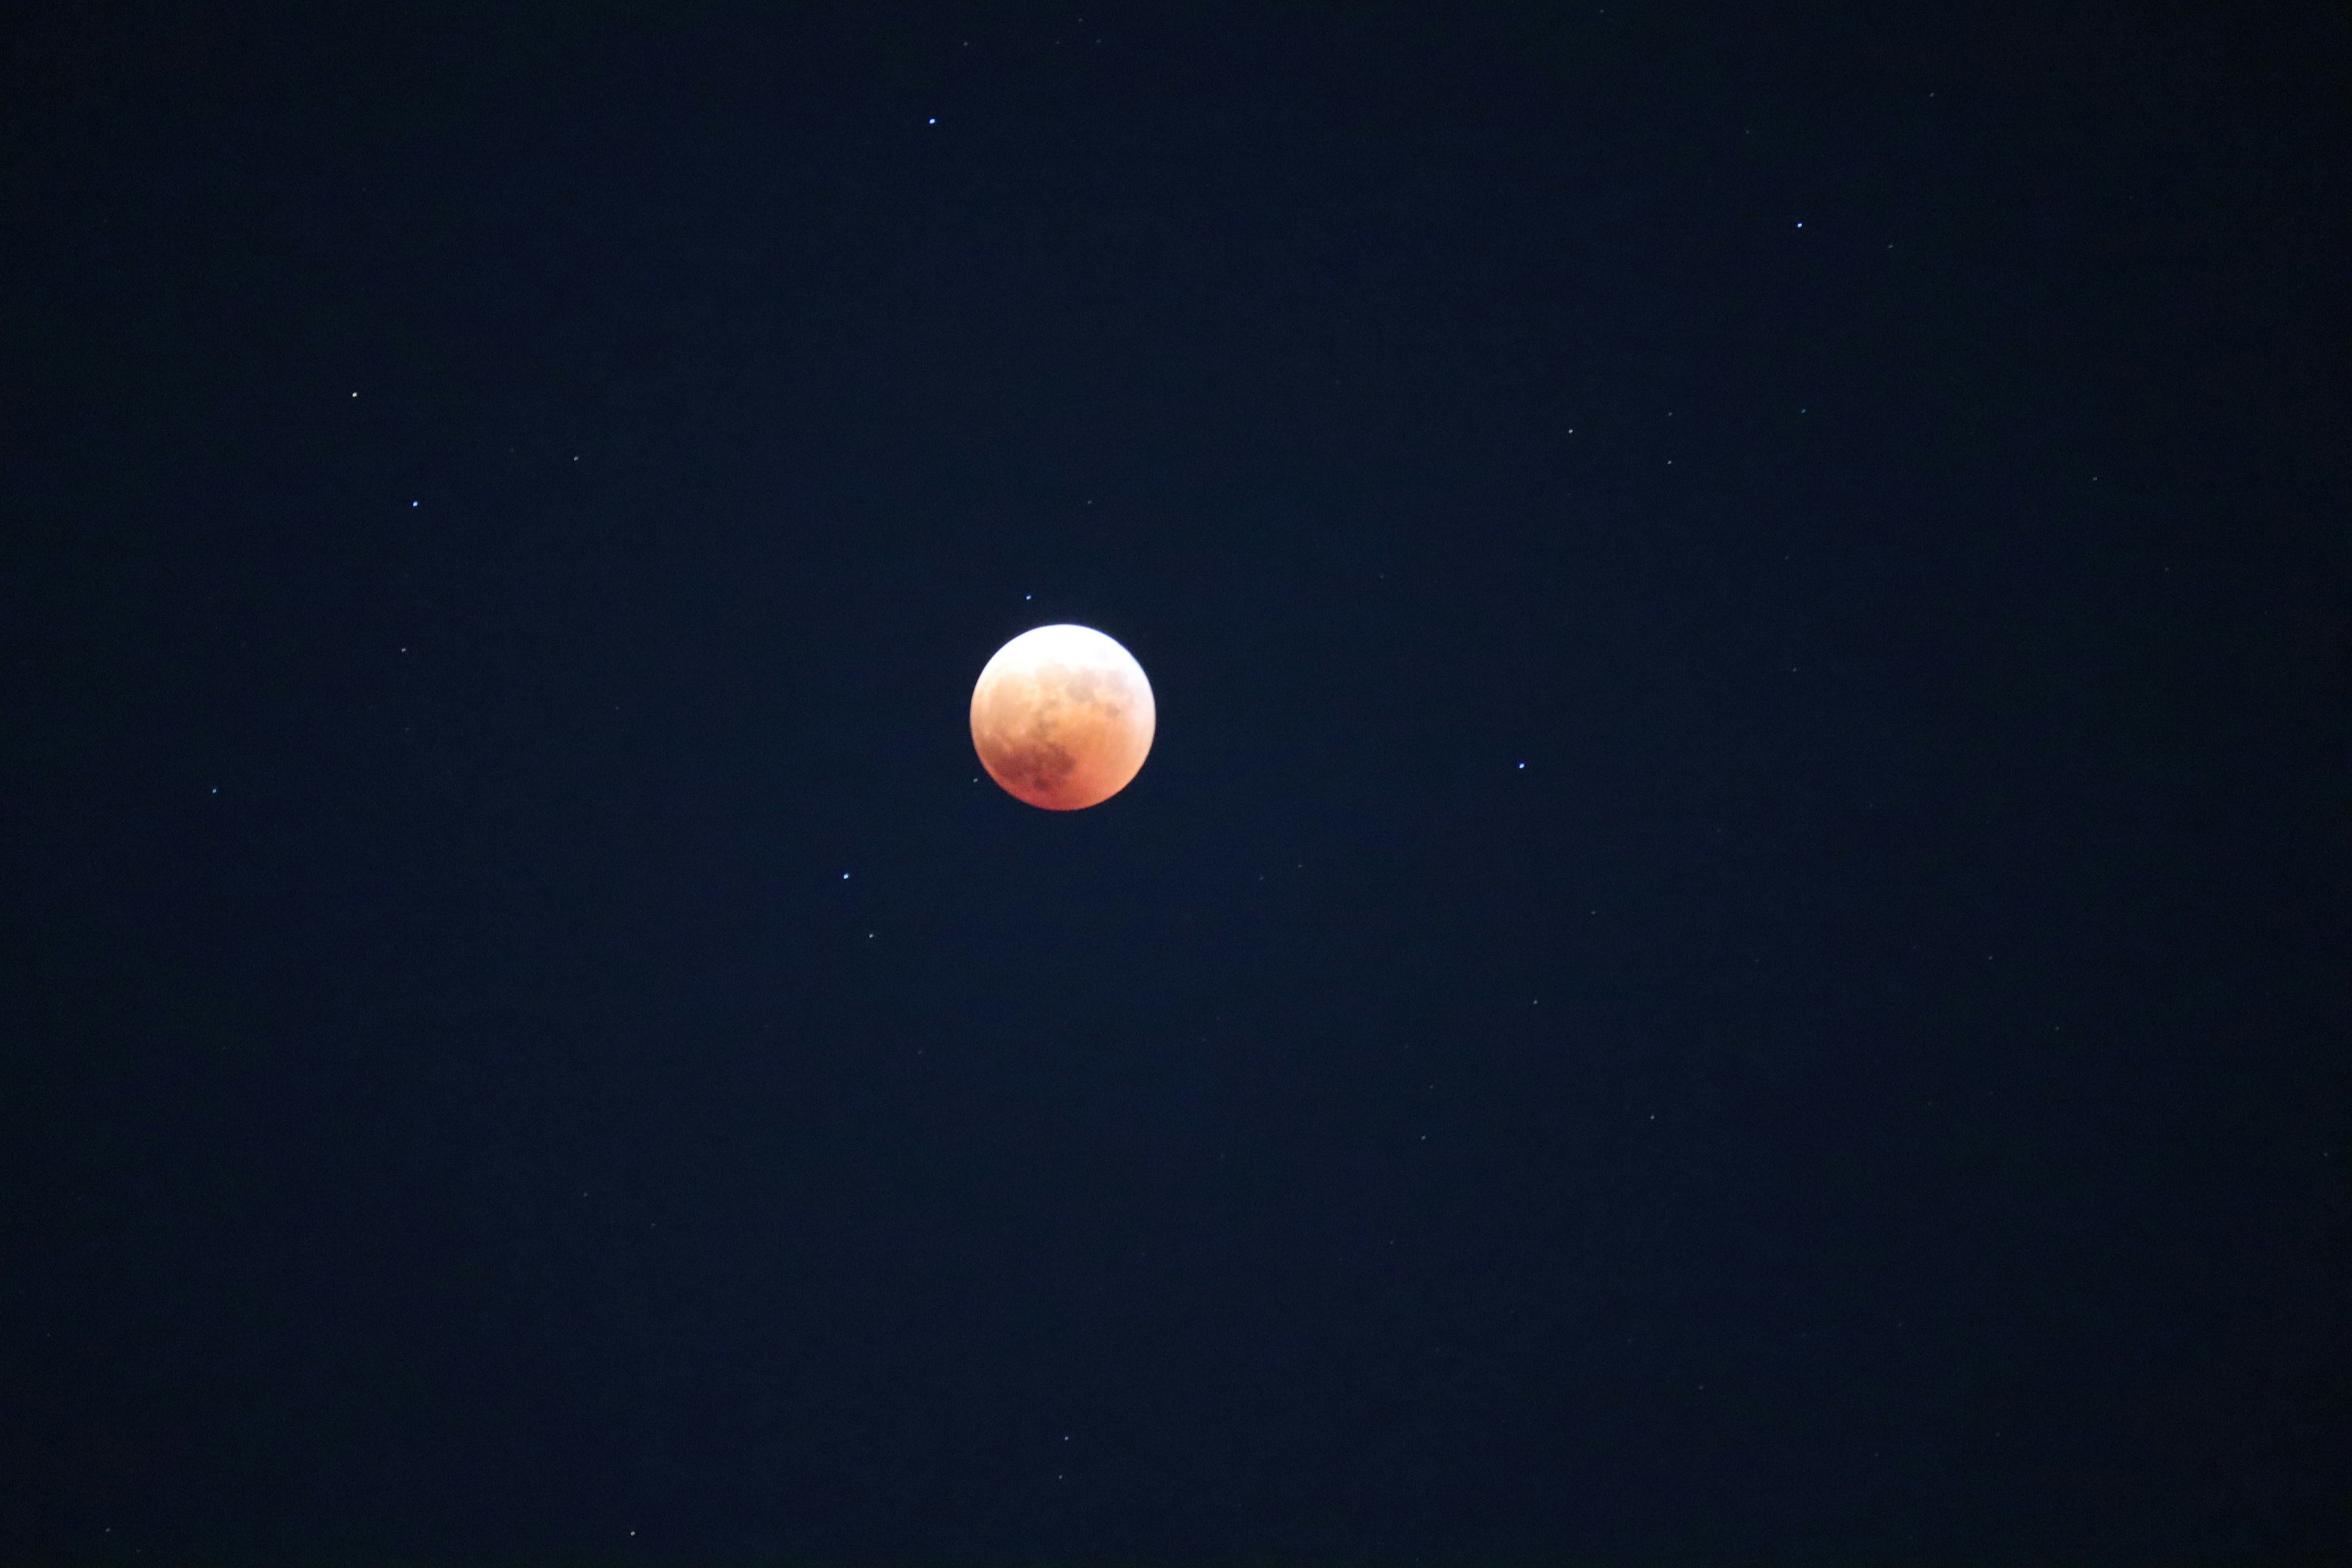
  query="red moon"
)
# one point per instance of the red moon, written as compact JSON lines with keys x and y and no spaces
{"x":1061,"y":718}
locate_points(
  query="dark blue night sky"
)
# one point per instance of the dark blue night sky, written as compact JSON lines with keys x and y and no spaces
{"x":1734,"y":946}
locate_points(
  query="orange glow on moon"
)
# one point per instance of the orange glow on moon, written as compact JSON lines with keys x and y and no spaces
{"x":1061,"y":718}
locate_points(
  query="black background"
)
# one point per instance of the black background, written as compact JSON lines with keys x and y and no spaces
{"x":1733,"y":946}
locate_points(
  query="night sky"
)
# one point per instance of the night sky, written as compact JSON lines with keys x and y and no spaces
{"x":1737,"y":942}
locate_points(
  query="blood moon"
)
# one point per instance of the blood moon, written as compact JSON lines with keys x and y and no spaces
{"x":1061,"y":718}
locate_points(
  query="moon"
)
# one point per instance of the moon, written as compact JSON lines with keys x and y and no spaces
{"x":1061,"y":718}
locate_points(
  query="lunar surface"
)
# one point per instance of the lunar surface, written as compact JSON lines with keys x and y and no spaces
{"x":1061,"y":718}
